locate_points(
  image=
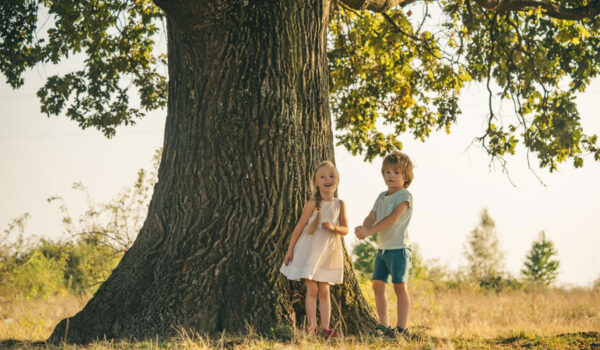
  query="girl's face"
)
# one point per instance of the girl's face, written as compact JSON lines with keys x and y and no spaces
{"x":326,"y":180}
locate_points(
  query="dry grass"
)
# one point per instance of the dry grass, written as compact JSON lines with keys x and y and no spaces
{"x":472,"y":312}
{"x":34,"y":320}
{"x":442,"y":319}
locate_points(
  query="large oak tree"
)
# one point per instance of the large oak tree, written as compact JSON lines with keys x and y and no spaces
{"x":248,"y":118}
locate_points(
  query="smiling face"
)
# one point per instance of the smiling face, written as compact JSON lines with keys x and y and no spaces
{"x":326,"y":179}
{"x":394,"y":179}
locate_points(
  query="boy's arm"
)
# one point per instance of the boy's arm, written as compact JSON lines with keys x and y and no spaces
{"x":388,"y":221}
{"x":361,"y":231}
{"x":370,"y":219}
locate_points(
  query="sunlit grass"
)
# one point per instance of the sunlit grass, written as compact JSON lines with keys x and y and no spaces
{"x":35,"y":319}
{"x":465,"y":318}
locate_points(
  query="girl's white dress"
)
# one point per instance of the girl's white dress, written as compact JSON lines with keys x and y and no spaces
{"x":318,"y":256}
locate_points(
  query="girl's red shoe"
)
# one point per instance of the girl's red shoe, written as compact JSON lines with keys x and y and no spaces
{"x":329,"y":333}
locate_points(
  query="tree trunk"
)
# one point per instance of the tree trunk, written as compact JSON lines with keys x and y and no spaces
{"x":248,"y":120}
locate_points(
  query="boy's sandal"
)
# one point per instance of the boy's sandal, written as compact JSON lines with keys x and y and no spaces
{"x":382,"y":331}
{"x":402,"y":332}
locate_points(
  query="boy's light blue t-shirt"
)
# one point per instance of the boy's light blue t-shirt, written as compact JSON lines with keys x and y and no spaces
{"x":395,"y":236}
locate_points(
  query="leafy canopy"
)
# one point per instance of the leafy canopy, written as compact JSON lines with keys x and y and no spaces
{"x":394,"y":72}
{"x":116,"y":38}
{"x":397,"y":72}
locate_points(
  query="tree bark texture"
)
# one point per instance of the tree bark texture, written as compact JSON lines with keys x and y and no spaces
{"x":248,"y":121}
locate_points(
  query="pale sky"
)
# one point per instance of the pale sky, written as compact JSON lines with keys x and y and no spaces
{"x":41,"y":157}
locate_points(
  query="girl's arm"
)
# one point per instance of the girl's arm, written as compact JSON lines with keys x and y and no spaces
{"x":342,"y":227}
{"x":306,"y":213}
{"x":387,"y":221}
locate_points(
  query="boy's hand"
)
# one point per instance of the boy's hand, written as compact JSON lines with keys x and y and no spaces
{"x":361,"y":232}
{"x":328,"y":226}
{"x":288,"y":258}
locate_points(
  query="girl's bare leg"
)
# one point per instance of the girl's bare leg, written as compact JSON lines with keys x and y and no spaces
{"x":312,"y":290}
{"x":324,"y":304}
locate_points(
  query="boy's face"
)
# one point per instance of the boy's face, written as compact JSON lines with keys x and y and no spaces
{"x":393,"y":178}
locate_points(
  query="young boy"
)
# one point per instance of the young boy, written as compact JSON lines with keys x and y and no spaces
{"x":389,"y":218}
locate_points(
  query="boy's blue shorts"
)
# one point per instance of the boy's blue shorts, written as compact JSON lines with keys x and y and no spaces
{"x":395,"y":262}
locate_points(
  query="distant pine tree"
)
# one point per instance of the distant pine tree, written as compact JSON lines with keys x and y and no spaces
{"x":541,"y":264}
{"x":482,"y":251}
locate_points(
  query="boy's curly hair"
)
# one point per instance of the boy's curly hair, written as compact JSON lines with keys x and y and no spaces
{"x":399,"y":160}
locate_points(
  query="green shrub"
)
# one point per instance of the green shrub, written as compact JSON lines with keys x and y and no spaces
{"x":364,"y":255}
{"x":364,"y":258}
{"x":88,"y":265}
{"x":38,"y":276}
{"x":96,"y":242}
{"x":87,"y":262}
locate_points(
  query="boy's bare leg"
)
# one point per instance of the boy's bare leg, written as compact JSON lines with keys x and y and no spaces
{"x":381,"y":302}
{"x":403,"y":304}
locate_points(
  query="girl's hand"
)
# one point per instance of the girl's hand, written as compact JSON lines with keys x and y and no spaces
{"x":288,"y":258}
{"x":328,"y":226}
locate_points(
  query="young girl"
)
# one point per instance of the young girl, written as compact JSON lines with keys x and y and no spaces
{"x":315,"y":251}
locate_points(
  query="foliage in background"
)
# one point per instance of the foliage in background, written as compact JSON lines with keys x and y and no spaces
{"x":483,"y":254}
{"x":384,"y":71}
{"x":117,"y":39}
{"x":117,"y":222}
{"x":403,"y":70}
{"x":91,"y":248}
{"x":12,"y":246}
{"x":364,"y":258}
{"x":391,"y":73}
{"x":596,"y":283}
{"x":541,"y":263}
{"x":364,"y":255}
{"x":484,"y":263}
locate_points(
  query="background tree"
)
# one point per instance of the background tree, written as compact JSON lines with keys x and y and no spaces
{"x":364,"y":258}
{"x":482,"y":251}
{"x":541,"y":263}
{"x":364,"y":255}
{"x":248,"y":93}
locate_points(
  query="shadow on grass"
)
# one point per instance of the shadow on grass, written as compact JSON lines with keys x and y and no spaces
{"x":529,"y":340}
{"x":19,"y":344}
{"x":515,"y":340}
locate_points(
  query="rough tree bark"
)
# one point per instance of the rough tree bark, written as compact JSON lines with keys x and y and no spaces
{"x":248,"y":120}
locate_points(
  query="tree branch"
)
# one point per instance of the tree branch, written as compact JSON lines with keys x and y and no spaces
{"x":551,"y":9}
{"x":376,"y":5}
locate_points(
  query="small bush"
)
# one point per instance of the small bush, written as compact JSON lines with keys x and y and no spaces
{"x":364,"y":255}
{"x":95,"y":243}
{"x":38,"y":276}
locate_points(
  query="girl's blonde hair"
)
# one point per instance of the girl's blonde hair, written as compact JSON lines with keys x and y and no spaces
{"x":316,"y":193}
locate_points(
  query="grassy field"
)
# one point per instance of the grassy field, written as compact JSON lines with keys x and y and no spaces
{"x":466,"y":318}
